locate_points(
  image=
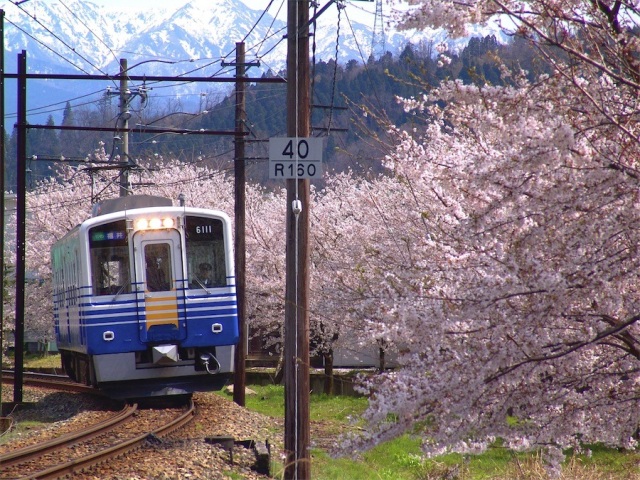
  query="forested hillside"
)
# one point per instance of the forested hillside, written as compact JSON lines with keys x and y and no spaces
{"x":349,"y":103}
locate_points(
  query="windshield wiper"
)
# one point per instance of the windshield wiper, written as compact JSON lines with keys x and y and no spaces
{"x":199,"y":282}
{"x":119,"y":291}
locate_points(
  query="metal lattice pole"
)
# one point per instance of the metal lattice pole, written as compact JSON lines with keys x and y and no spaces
{"x":377,"y":40}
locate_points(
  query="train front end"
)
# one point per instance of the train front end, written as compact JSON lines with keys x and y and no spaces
{"x":157,"y":309}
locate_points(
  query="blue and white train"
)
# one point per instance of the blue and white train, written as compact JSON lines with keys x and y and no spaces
{"x":145,"y":300}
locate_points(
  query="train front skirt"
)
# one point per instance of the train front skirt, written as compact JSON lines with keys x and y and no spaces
{"x":119,"y":376}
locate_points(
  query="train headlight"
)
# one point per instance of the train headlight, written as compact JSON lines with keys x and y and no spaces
{"x":142,"y":224}
{"x":155,"y":223}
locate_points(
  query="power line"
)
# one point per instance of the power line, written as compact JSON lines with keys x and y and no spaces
{"x":46,"y":46}
{"x":89,"y":28}
{"x":232,"y":52}
{"x":256,"y":23}
{"x":49,"y":108}
{"x":73,"y":49}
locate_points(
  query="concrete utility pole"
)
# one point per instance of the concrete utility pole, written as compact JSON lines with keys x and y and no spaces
{"x":296,"y":332}
{"x":124,"y":121}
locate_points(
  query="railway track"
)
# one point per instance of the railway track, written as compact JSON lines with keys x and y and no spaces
{"x":55,"y":382}
{"x":80,"y":450}
{"x":32,"y":452}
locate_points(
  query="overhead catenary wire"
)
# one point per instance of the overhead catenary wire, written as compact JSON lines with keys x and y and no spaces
{"x":232,"y":52}
{"x":218,"y":73}
{"x":41,"y":109}
{"x":111,"y":181}
{"x":46,"y":46}
{"x":142,"y":77}
{"x":274,"y":16}
{"x":57,"y":37}
{"x":90,"y":30}
{"x":257,"y":21}
{"x":335,"y":69}
{"x":257,"y":46}
{"x":49,"y":108}
{"x":272,"y":48}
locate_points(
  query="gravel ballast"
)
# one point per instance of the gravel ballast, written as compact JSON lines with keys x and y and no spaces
{"x":190,"y":453}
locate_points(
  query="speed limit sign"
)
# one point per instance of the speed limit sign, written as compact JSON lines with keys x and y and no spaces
{"x":296,"y":157}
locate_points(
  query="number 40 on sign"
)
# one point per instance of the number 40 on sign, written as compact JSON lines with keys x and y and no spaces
{"x":291,"y":158}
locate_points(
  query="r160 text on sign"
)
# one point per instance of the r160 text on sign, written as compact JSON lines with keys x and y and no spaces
{"x":291,"y":158}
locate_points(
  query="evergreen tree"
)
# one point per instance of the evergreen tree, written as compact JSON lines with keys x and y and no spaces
{"x":42,"y":147}
{"x":70,"y":140}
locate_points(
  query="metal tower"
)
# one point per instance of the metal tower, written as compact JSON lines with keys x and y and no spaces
{"x":377,"y":41}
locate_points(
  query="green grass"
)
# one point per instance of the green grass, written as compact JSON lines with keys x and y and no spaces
{"x":269,"y":400}
{"x":336,"y":408}
{"x":39,"y":360}
{"x":400,"y":459}
{"x":18,"y":429}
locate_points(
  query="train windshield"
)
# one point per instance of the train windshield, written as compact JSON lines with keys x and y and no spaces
{"x":206,"y":263}
{"x":158,"y":267}
{"x":109,"y":250}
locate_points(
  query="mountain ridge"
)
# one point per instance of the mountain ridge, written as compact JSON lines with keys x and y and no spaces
{"x":190,"y":38}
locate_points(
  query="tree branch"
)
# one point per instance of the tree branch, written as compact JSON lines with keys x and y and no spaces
{"x":615,"y":330}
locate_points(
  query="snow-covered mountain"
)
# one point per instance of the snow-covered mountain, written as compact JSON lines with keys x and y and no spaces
{"x":189,"y":38}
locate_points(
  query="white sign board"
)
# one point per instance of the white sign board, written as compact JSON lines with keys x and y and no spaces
{"x":291,"y":158}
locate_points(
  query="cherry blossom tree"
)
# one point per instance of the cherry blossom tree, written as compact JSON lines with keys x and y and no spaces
{"x":8,"y":293}
{"x":339,"y":258}
{"x":508,"y":277}
{"x":265,"y":217}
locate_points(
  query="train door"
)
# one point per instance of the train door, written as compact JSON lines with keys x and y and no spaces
{"x":159,"y":271}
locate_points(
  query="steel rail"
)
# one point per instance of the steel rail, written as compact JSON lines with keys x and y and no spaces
{"x":27,"y":453}
{"x":45,"y":380}
{"x":80,"y":464}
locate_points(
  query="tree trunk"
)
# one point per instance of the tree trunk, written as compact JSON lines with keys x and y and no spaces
{"x":279,"y":369}
{"x":328,"y":373}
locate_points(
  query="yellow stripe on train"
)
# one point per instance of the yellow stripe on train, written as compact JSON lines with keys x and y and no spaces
{"x":161,"y":311}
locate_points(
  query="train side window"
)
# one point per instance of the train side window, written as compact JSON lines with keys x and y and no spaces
{"x":205,"y":250}
{"x":110,"y":272}
{"x":110,"y":265}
